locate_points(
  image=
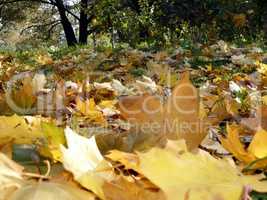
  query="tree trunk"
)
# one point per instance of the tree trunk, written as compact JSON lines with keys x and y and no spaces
{"x":83,"y":33}
{"x":67,"y":27}
{"x":94,"y":41}
{"x":264,"y":20}
{"x":262,"y":15}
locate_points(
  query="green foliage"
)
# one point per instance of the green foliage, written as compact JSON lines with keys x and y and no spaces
{"x":58,"y":53}
{"x":159,"y":23}
{"x":144,"y":24}
{"x":258,"y":196}
{"x":138,"y":72}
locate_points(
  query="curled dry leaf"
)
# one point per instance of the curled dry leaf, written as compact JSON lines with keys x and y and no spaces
{"x":147,"y":85}
{"x":10,"y":176}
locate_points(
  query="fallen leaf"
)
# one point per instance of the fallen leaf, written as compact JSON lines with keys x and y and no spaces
{"x":193,"y":176}
{"x":44,"y":60}
{"x":129,"y":160}
{"x":84,"y":160}
{"x":17,"y":130}
{"x":54,"y":138}
{"x":240,"y":20}
{"x":148,"y":85}
{"x":88,"y":109}
{"x":179,"y":118}
{"x":38,"y":82}
{"x":259,"y":121}
{"x":23,"y":99}
{"x":182,"y":114}
{"x":233,"y":144}
{"x":258,"y":146}
{"x":184,"y":175}
{"x":51,"y":191}
{"x":141,"y":109}
{"x":123,"y":189}
{"x":256,"y":150}
{"x":10,"y":176}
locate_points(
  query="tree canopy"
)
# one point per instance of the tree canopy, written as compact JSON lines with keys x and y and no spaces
{"x":132,"y":21}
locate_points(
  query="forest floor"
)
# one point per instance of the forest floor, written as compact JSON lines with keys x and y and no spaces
{"x":129,"y":124}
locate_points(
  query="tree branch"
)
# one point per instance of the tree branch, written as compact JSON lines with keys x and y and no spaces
{"x":15,"y":1}
{"x":40,"y":25}
{"x":50,"y":30}
{"x":72,"y":14}
{"x":41,"y":1}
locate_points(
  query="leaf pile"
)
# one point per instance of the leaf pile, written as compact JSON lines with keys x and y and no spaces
{"x":182,"y":124}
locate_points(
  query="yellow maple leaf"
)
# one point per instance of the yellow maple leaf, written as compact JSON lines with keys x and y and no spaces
{"x":88,"y":109}
{"x":184,"y":175}
{"x":54,"y":138}
{"x":84,"y":160}
{"x":19,"y":130}
{"x":256,"y":150}
{"x":32,"y":130}
{"x":262,"y":67}
{"x":264,"y":99}
{"x":258,"y":146}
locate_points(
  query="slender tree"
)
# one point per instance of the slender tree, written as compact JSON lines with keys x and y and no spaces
{"x":67,"y":15}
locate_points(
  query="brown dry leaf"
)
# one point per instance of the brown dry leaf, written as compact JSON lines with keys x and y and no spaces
{"x":257,"y":122}
{"x":24,"y":97}
{"x":178,"y":118}
{"x":52,"y":102}
{"x":123,"y":189}
{"x":217,"y":107}
{"x":4,"y":108}
{"x":44,"y":60}
{"x":240,"y":20}
{"x":182,"y":117}
{"x":141,"y":109}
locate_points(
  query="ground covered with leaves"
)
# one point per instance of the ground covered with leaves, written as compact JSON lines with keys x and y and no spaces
{"x":127,"y":124}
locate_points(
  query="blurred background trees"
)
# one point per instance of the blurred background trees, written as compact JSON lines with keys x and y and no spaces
{"x":149,"y":22}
